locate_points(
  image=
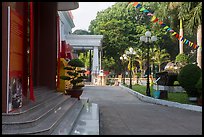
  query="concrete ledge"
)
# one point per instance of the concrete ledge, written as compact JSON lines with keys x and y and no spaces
{"x":169,"y":88}
{"x":88,"y":121}
{"x":163,"y":102}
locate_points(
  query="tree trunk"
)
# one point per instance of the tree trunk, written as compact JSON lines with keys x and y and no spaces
{"x":199,"y":42}
{"x":141,"y":68}
{"x":159,"y":67}
{"x":181,"y":42}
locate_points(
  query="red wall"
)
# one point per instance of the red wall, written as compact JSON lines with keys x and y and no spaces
{"x":19,"y":7}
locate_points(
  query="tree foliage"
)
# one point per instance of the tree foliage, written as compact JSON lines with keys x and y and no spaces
{"x":188,"y":78}
{"x":191,"y":12}
{"x":182,"y":60}
{"x":122,"y":25}
{"x":81,"y":32}
{"x":160,"y":56}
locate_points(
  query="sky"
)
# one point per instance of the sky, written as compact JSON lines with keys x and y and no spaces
{"x":86,"y":12}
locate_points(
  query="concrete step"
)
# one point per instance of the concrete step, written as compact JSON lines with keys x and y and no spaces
{"x":51,"y":120}
{"x":32,"y":105}
{"x":28,"y":104}
{"x":34,"y":116}
{"x":69,"y":120}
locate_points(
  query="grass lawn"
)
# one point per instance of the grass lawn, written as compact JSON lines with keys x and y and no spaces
{"x":180,"y":97}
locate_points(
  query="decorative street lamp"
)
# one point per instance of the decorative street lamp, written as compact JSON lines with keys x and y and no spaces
{"x":131,"y":52}
{"x":123,"y":58}
{"x":147,"y":39}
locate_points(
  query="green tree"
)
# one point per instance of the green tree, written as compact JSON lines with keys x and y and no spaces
{"x":182,"y":60}
{"x":118,"y":26}
{"x":108,"y":64}
{"x":192,"y":13}
{"x":140,"y":57}
{"x":160,"y":56}
{"x":168,"y":12}
{"x":122,"y":25}
{"x":84,"y":57}
{"x":81,"y":32}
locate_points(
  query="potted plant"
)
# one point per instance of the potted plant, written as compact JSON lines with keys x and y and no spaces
{"x":75,"y":75}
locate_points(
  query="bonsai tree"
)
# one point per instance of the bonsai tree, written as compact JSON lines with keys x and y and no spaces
{"x":188,"y":78}
{"x":75,"y":74}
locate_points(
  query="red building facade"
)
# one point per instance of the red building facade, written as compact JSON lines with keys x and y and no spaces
{"x":29,"y":47}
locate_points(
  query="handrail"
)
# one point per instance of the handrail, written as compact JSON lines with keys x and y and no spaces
{"x":157,"y":80}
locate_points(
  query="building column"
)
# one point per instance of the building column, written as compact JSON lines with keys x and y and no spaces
{"x":100,"y":56}
{"x":95,"y":65}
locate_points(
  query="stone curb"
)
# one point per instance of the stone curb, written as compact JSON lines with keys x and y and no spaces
{"x":162,"y":102}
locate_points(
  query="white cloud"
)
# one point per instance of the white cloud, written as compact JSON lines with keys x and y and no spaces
{"x":86,"y":12}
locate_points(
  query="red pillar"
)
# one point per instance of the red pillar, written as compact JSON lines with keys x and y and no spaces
{"x":31,"y":52}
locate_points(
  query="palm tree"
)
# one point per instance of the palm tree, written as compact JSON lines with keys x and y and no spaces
{"x":160,"y":56}
{"x":169,"y":10}
{"x":192,"y":13}
{"x":174,"y":5}
{"x":140,"y":57}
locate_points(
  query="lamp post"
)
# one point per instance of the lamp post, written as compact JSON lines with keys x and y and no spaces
{"x":122,"y":58}
{"x":147,"y":39}
{"x":131,"y":52}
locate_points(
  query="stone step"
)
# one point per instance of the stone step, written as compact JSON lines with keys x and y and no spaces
{"x":33,"y":117}
{"x":65,"y":127}
{"x":40,"y":94}
{"x":47,"y":125}
{"x":51,"y":95}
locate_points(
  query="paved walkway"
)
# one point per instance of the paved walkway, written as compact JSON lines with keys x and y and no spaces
{"x":121,"y":113}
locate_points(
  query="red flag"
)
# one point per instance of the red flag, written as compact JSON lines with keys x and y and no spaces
{"x":177,"y":36}
{"x":161,"y":22}
{"x":180,"y":37}
{"x":135,"y":4}
{"x":195,"y":46}
{"x":156,"y":20}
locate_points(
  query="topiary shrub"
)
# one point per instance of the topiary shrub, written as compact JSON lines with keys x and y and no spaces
{"x":199,"y":86}
{"x":76,"y":63}
{"x":188,"y":78}
{"x":75,"y":74}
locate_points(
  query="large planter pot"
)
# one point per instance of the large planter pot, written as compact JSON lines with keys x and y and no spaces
{"x":199,"y":101}
{"x":166,"y":78}
{"x":75,"y":93}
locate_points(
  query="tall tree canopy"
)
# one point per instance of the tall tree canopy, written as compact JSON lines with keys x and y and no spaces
{"x":81,"y":32}
{"x":122,"y":25}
